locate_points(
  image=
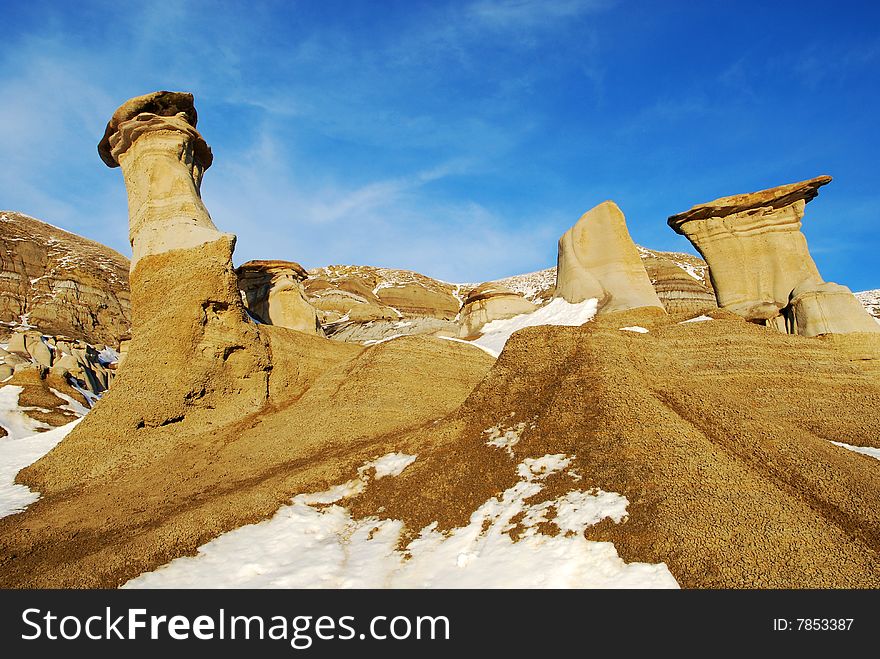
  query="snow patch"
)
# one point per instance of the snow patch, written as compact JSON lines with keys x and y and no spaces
{"x":864,"y":450}
{"x":308,"y":546}
{"x":557,"y":312}
{"x":634,"y":328}
{"x":13,"y":420}
{"x":698,"y":319}
{"x":391,"y":464}
{"x":505,"y":438}
{"x":18,"y":453}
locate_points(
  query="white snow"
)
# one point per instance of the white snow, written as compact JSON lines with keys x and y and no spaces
{"x":109,"y":356}
{"x":698,"y":319}
{"x":18,"y":453}
{"x":88,"y":395}
{"x":488,"y":351}
{"x":864,"y":450}
{"x":306,"y":546}
{"x":634,"y":328}
{"x":13,"y":420}
{"x":373,"y":342}
{"x":557,"y":312}
{"x":505,"y":438}
{"x":391,"y":464}
{"x":73,"y":405}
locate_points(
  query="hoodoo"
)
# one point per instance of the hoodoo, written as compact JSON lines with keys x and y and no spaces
{"x":760,"y":265}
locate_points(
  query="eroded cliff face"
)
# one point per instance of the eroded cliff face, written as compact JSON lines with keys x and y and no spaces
{"x":60,"y":283}
{"x":760,"y":264}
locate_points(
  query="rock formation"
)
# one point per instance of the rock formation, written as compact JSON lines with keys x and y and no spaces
{"x":213,"y":419}
{"x":274,"y":295}
{"x":61,"y":283}
{"x":680,"y":280}
{"x":598,"y":259}
{"x":489,"y":302}
{"x":760,"y":265}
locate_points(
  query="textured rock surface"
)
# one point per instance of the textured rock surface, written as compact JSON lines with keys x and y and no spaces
{"x":754,"y":246}
{"x":163,"y":158}
{"x":489,"y":302}
{"x":598,"y":259}
{"x":212,"y":419}
{"x":760,"y":265}
{"x":274,"y":294}
{"x":681,"y":281}
{"x":718,"y":434}
{"x":61,"y":283}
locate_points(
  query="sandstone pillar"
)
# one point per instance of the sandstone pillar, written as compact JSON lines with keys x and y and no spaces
{"x":598,"y":259}
{"x":192,"y":348}
{"x":760,"y":265}
{"x":163,"y":158}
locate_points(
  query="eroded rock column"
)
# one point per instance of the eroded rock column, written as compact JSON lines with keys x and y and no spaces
{"x":598,"y":259}
{"x":193,"y":349}
{"x":163,"y":158}
{"x":760,"y":264}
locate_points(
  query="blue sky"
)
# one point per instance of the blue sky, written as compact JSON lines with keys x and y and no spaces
{"x":459,"y":139}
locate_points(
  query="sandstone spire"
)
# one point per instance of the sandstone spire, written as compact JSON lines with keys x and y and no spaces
{"x":163,"y":158}
{"x":186,"y":306}
{"x":598,"y":259}
{"x":760,"y":265}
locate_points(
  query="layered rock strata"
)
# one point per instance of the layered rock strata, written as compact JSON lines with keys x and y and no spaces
{"x":598,"y":259}
{"x":61,"y":283}
{"x":760,"y":264}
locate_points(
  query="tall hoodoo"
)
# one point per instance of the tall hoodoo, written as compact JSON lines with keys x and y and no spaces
{"x":598,"y":259}
{"x":163,"y":158}
{"x":186,"y":306}
{"x":760,"y":264}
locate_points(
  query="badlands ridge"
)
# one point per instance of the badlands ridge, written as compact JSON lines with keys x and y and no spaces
{"x":240,"y":388}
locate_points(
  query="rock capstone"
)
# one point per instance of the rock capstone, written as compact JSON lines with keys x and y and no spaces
{"x":760,"y":265}
{"x":274,"y":294}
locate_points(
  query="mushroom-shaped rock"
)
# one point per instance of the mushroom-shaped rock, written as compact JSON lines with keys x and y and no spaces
{"x":186,"y":306}
{"x":274,"y":294}
{"x":760,"y":265}
{"x":598,"y":259}
{"x":488,"y":302}
{"x":163,"y":158}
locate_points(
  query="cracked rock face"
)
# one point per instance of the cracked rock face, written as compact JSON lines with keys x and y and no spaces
{"x":760,"y":264}
{"x":598,"y":259}
{"x":60,"y":283}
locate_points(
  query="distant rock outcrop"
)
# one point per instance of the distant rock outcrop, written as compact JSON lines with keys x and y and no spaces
{"x":61,"y":283}
{"x":760,"y":265}
{"x":598,"y":259}
{"x":274,"y":294}
{"x":680,"y":280}
{"x":489,"y":302}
